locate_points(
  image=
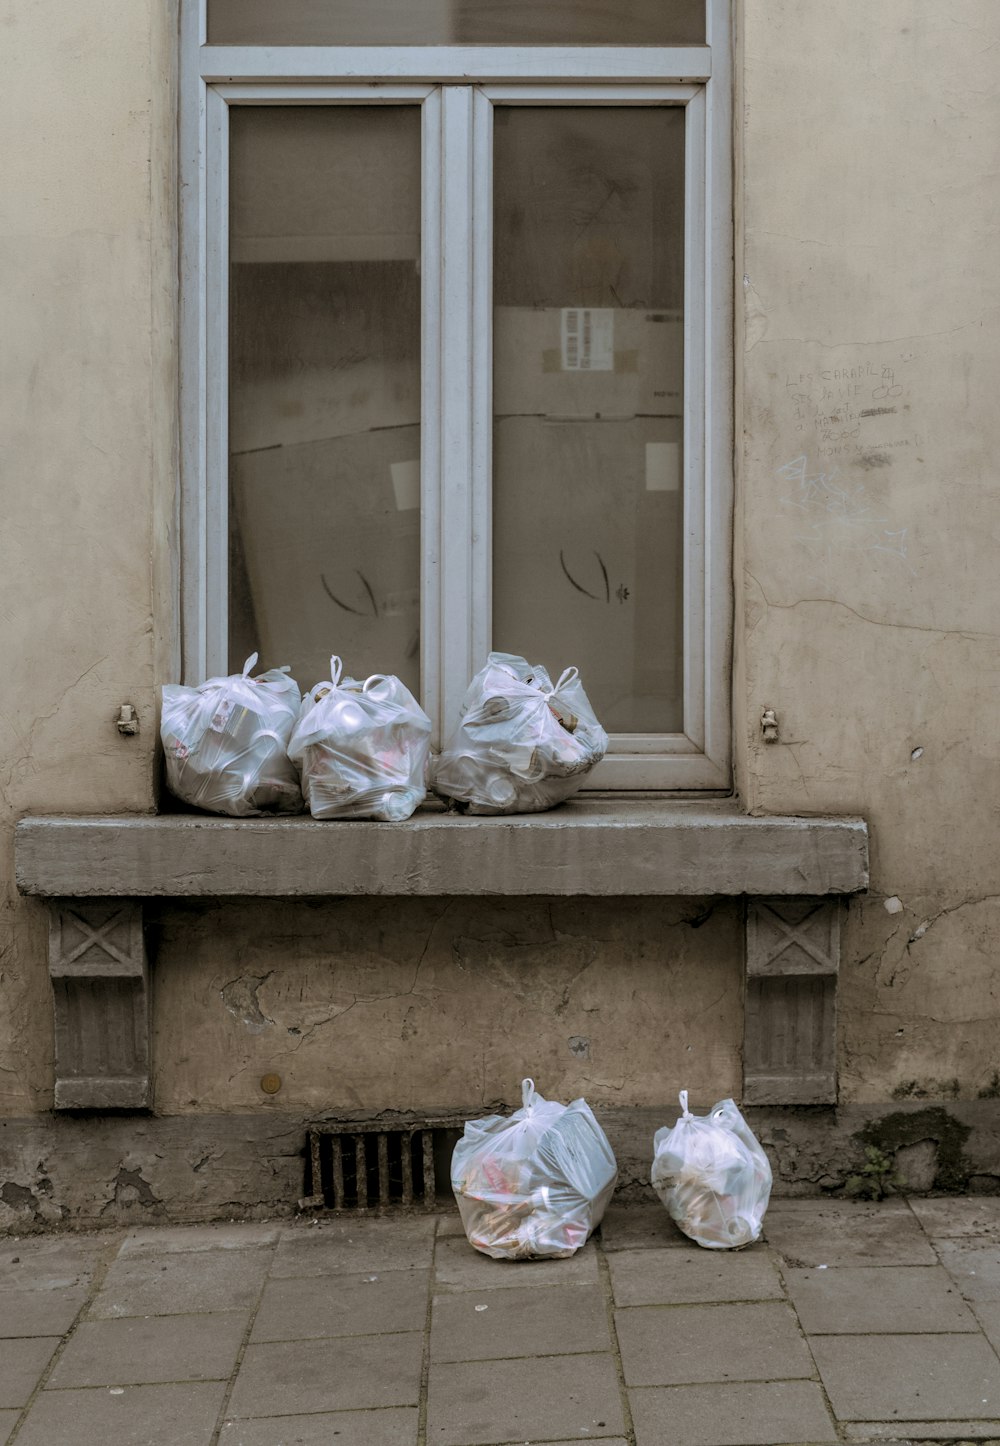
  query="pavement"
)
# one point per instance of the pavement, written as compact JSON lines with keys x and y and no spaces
{"x":851,"y":1322}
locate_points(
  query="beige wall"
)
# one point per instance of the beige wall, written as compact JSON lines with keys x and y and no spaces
{"x":867,"y":613}
{"x":87,"y":408}
{"x":867,"y":220}
{"x":445,"y":1003}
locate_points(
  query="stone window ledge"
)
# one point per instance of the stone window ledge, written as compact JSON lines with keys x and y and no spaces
{"x":589,"y":846}
{"x":97,"y":872}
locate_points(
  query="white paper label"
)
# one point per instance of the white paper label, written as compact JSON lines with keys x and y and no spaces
{"x":588,"y":339}
{"x":406,"y":484}
{"x":663,"y":466}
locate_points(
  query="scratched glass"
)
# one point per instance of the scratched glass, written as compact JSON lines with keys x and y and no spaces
{"x":588,"y":512}
{"x":324,"y":438}
{"x":456,"y":22}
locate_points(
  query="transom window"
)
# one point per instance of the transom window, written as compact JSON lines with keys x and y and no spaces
{"x":456,"y":365}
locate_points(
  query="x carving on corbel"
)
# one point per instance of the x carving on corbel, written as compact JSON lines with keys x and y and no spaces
{"x":96,"y":936}
{"x":790,"y":938}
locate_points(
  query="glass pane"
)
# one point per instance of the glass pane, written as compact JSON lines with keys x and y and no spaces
{"x":456,"y":22}
{"x":588,"y":373}
{"x":324,"y":434}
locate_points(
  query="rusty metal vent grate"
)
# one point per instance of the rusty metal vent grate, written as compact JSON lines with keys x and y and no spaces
{"x":379,"y":1168}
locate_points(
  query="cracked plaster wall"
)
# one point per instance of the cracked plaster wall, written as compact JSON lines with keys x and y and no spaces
{"x":867,"y":517}
{"x":869,"y":510}
{"x":88,"y":423}
{"x":386,"y":1004}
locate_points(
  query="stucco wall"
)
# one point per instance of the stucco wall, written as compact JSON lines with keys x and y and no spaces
{"x":87,"y":418}
{"x":867,"y":221}
{"x":384,"y":1004}
{"x":869,"y":202}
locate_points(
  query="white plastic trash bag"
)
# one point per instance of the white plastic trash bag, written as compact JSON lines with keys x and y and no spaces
{"x":226,"y":742}
{"x":712,"y":1175}
{"x":362,"y":748}
{"x":534,"y":1183}
{"x":521,"y":744}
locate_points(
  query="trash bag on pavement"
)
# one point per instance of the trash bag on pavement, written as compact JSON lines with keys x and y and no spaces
{"x":522,"y":744}
{"x":225,"y":742}
{"x":535,"y":1183}
{"x":362,"y":748}
{"x":713,"y":1176}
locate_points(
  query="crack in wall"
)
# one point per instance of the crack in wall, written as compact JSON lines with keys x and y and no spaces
{"x":240,"y":996}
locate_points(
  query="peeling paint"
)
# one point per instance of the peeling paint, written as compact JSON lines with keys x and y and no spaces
{"x":240,"y":997}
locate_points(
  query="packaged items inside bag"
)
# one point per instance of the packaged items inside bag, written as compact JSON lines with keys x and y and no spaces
{"x":521,"y":744}
{"x":362,"y":748}
{"x":535,"y":1183}
{"x":226,"y":742}
{"x":712,"y":1175}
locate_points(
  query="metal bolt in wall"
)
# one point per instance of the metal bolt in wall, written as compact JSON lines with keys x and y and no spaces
{"x":127,"y":721}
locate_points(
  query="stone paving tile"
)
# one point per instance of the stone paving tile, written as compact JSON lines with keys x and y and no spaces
{"x":565,"y":1398}
{"x":7,"y":1421}
{"x":988,"y":1314}
{"x":909,"y":1378}
{"x":846,"y":1232}
{"x":752,"y":1413}
{"x":370,"y":1246}
{"x":181,"y":1282}
{"x":54,"y":1262}
{"x":150,"y":1240}
{"x":974,"y":1267}
{"x":449,"y":1224}
{"x":21,"y":1365}
{"x":138,"y":1351}
{"x":912,"y":1433}
{"x":177,"y":1415}
{"x":684,"y":1277}
{"x":39,"y":1312}
{"x":458,"y":1266}
{"x":491,"y":1325}
{"x":346,"y":1374}
{"x":688,"y":1344}
{"x":858,"y":1300}
{"x":638,"y":1227}
{"x":350,"y":1305}
{"x":955,"y":1218}
{"x":393,"y":1427}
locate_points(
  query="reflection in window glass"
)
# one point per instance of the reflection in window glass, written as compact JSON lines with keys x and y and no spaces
{"x":588,"y":367}
{"x":324,"y":486}
{"x":456,"y":22}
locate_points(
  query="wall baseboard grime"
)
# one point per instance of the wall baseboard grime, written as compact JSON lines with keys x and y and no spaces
{"x":87,"y":1171}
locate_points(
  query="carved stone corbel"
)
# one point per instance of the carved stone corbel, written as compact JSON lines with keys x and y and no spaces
{"x":101,"y":997}
{"x":790,"y":1018}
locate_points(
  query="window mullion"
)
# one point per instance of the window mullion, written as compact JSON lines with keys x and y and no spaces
{"x":455,"y":522}
{"x":216,"y":613}
{"x":481,"y":475}
{"x":694,"y":421}
{"x":431,"y":539}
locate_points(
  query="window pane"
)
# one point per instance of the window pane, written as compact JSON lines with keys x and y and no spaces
{"x":324,"y":433}
{"x":588,"y":370}
{"x":456,"y":22}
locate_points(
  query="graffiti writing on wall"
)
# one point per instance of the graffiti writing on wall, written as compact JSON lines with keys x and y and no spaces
{"x":862,"y":408}
{"x":838,"y":512}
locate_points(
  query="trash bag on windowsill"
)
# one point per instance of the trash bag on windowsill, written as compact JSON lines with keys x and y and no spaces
{"x":535,"y":1183}
{"x":362,"y":748}
{"x":713,"y":1176}
{"x":225,"y":743}
{"x":522,"y":744}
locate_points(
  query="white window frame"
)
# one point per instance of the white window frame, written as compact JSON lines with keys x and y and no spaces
{"x":457,"y":88}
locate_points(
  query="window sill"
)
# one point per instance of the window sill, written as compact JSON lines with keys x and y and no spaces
{"x":589,"y":846}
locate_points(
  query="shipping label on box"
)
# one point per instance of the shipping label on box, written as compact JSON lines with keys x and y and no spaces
{"x":587,"y":362}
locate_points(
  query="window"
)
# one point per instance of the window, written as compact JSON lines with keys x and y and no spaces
{"x":457,"y":352}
